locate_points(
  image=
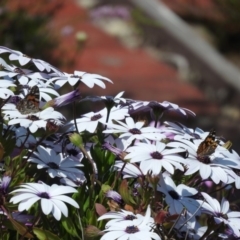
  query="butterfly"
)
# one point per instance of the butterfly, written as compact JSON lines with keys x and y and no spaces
{"x":30,"y":104}
{"x":208,"y":146}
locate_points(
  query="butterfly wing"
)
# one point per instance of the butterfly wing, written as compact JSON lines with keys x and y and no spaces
{"x":30,"y":104}
{"x":208,"y":146}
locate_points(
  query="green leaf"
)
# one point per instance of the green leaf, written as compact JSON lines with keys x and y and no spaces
{"x":5,"y":236}
{"x":124,"y":192}
{"x":69,"y":226}
{"x":45,"y":235}
{"x":105,"y":188}
{"x":20,"y":228}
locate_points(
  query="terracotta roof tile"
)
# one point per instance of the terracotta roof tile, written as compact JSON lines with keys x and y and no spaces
{"x":135,"y":71}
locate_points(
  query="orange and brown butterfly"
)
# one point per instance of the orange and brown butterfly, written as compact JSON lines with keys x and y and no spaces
{"x":30,"y":104}
{"x":208,"y":145}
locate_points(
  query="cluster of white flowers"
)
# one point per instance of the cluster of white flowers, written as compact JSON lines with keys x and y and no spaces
{"x":159,"y":166}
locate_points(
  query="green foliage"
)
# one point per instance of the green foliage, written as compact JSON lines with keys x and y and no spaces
{"x":45,"y":235}
{"x":21,"y":30}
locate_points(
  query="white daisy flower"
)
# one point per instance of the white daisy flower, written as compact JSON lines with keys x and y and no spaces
{"x":4,"y":91}
{"x":126,"y":225}
{"x":222,"y":213}
{"x":24,"y":59}
{"x":24,"y":76}
{"x":128,"y":170}
{"x":130,"y":131}
{"x":88,"y":79}
{"x":179,"y":197}
{"x":33,"y":121}
{"x":118,"y":217}
{"x":56,"y":164}
{"x":212,"y":166}
{"x":154,"y":157}
{"x":52,"y":198}
{"x":89,"y":121}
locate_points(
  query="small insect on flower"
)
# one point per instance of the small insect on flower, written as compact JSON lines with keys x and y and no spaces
{"x":30,"y":104}
{"x":208,"y":146}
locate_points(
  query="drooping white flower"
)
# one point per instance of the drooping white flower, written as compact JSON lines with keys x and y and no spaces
{"x":88,"y":79}
{"x":24,"y":59}
{"x":222,"y":213}
{"x":52,"y":198}
{"x":89,"y":121}
{"x":128,"y":170}
{"x":56,"y":164}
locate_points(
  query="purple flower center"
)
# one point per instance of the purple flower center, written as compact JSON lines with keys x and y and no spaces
{"x":96,"y":117}
{"x":44,"y":195}
{"x":174,"y":194}
{"x":130,"y":217}
{"x":131,"y":229}
{"x":135,"y":131}
{"x":32,"y":117}
{"x":222,"y":215}
{"x":204,"y":159}
{"x":72,"y":152}
{"x":18,"y":70}
{"x":156,"y":155}
{"x":53,"y":165}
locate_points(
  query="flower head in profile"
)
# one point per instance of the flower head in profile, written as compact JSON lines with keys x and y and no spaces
{"x":221,"y":213}
{"x":4,"y":183}
{"x":88,"y":79}
{"x":126,"y":225}
{"x":89,"y":121}
{"x":157,"y":109}
{"x":24,"y":60}
{"x":56,"y":164}
{"x":51,"y":198}
{"x":65,"y":99}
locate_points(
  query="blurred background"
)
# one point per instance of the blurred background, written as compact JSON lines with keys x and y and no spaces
{"x":183,"y":51}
